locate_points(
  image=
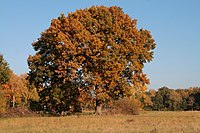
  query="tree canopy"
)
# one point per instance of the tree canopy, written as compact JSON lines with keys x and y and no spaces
{"x":96,"y":51}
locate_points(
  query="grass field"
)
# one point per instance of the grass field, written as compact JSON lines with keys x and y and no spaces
{"x":146,"y":122}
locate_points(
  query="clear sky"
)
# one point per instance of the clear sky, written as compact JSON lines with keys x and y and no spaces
{"x":174,"y":24}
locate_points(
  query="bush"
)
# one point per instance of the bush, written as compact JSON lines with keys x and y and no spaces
{"x":127,"y":106}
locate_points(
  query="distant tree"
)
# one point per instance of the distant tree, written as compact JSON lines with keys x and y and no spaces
{"x":161,"y":100}
{"x":175,"y":100}
{"x":197,"y":101}
{"x":4,"y":70}
{"x":167,"y":99}
{"x":97,"y":50}
{"x":194,"y":98}
{"x":184,"y":95}
{"x":158,"y":101}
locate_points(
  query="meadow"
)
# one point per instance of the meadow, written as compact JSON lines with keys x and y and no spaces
{"x":145,"y":122}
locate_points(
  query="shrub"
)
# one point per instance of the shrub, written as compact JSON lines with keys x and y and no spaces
{"x":127,"y":106}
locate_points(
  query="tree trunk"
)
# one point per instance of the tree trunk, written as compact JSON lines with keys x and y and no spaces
{"x":98,"y":109}
{"x":13,"y":101}
{"x":77,"y":108}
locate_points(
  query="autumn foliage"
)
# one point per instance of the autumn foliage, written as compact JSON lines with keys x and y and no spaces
{"x":98,"y":51}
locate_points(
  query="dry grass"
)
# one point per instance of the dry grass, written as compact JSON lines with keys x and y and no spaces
{"x":146,"y":122}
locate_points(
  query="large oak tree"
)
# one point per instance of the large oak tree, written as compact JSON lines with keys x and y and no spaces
{"x":97,"y":51}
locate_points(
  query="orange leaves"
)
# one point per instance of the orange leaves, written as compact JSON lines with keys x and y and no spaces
{"x":112,"y":84}
{"x":55,"y":24}
{"x":97,"y":80}
{"x":5,"y":86}
{"x":6,"y":91}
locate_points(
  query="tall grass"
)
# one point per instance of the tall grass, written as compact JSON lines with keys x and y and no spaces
{"x":154,"y":122}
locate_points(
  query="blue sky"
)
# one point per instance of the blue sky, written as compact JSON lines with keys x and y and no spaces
{"x":174,"y":24}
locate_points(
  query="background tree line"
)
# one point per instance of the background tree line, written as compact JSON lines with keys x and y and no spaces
{"x":165,"y":99}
